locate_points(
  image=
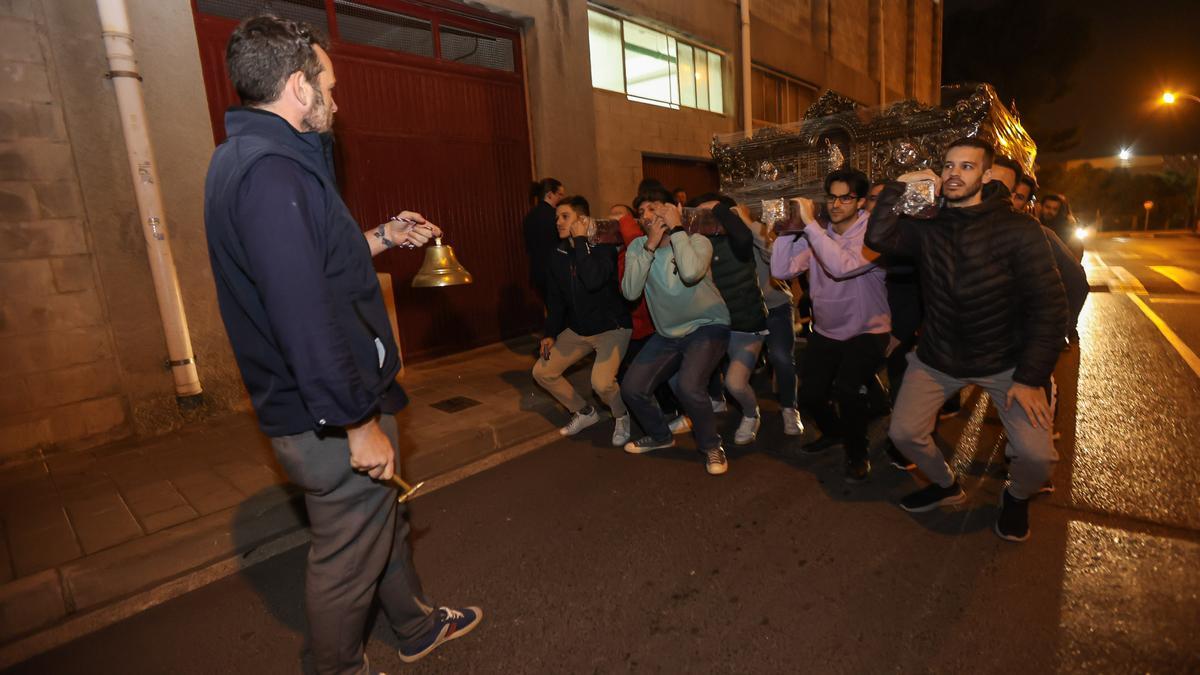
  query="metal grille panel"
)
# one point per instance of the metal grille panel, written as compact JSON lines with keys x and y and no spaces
{"x":311,"y":11}
{"x":372,"y":27}
{"x":475,"y":49}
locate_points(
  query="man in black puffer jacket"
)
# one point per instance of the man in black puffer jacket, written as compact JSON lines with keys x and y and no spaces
{"x":995,"y":315}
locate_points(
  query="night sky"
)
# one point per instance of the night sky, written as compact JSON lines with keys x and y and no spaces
{"x":1134,"y":50}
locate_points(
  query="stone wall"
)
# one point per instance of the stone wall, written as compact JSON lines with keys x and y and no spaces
{"x":81,"y":341}
{"x":62,"y":381}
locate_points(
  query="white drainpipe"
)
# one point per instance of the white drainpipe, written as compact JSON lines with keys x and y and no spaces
{"x":118,"y":44}
{"x":747,"y":101}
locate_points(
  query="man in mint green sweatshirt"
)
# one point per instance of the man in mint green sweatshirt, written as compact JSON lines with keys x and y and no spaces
{"x":691,"y":320}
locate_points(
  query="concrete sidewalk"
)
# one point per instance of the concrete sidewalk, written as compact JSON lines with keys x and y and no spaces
{"x":82,"y":531}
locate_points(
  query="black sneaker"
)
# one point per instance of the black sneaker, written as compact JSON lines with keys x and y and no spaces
{"x":449,"y":624}
{"x":857,"y":470}
{"x":1013,"y":523}
{"x":822,"y":444}
{"x":897,"y":459}
{"x":646,"y":444}
{"x":932,"y":496}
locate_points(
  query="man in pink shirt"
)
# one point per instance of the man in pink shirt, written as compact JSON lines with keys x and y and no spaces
{"x":850,"y":316}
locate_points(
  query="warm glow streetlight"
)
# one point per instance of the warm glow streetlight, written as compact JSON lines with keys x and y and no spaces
{"x":1170,"y":97}
{"x":1125,"y":154}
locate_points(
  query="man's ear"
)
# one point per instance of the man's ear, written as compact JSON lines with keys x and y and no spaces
{"x":987,"y":175}
{"x":297,"y":87}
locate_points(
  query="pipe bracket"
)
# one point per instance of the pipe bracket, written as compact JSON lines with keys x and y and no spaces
{"x":169,"y":364}
{"x":113,"y":74}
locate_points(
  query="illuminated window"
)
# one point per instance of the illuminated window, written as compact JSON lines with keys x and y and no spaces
{"x":651,"y":66}
{"x":604,"y":37}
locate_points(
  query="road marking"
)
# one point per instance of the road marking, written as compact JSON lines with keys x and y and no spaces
{"x":1189,"y":356}
{"x":1176,"y":301}
{"x":1116,"y":278}
{"x":1187,"y":279}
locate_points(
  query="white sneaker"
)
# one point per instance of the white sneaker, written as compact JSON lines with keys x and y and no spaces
{"x":716,"y":462}
{"x":621,"y":431}
{"x":579,"y":422}
{"x":680,"y":425}
{"x":719,"y":405}
{"x":792,"y":426}
{"x":747,"y":430}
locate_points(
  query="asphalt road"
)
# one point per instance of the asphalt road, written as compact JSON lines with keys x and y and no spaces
{"x":586,"y":559}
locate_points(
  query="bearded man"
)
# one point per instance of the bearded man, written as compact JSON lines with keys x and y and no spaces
{"x":995,"y":315}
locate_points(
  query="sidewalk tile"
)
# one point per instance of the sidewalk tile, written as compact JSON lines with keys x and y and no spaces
{"x":157,"y":505}
{"x":206,"y":491}
{"x":23,"y":473}
{"x":146,"y":562}
{"x":30,"y":603}
{"x":248,"y":478}
{"x":169,"y":518}
{"x":102,"y":520}
{"x":32,"y":492}
{"x":40,"y":539}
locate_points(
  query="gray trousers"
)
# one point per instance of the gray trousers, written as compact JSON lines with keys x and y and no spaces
{"x":923,"y":392}
{"x":359,"y":550}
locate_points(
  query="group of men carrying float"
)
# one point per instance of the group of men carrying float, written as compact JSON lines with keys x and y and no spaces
{"x":978,"y":294}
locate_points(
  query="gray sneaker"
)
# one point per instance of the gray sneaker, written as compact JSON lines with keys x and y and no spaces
{"x":621,"y":431}
{"x":579,"y":422}
{"x":747,"y":430}
{"x":792,"y":426}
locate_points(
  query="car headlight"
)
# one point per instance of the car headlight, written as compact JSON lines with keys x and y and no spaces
{"x":1082,"y":233}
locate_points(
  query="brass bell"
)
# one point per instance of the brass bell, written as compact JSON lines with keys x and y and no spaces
{"x":440,"y":268}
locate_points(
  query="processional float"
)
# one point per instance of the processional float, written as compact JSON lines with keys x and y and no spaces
{"x":764,"y":170}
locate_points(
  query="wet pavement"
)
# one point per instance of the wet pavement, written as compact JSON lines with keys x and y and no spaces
{"x":586,"y":559}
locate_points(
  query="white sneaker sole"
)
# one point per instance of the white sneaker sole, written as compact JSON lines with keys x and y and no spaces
{"x":717,"y":469}
{"x":635,"y":450}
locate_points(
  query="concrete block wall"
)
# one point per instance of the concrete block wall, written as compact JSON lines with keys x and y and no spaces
{"x":625,"y":130}
{"x":62,"y":381}
{"x":82,"y":350}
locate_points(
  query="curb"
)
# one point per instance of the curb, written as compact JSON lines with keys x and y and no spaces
{"x":59,"y":605}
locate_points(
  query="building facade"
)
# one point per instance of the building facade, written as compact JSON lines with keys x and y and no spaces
{"x":449,"y":108}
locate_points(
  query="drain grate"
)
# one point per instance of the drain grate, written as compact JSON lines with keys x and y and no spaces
{"x":455,"y":404}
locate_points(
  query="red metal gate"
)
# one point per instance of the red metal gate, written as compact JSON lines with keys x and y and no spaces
{"x":431,"y":117}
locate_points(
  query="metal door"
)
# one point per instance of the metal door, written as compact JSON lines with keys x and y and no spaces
{"x":431,"y":118}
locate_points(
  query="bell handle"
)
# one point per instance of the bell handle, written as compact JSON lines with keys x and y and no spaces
{"x":437,"y":241}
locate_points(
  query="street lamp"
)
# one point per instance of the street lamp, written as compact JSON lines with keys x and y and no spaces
{"x":1125,"y":154}
{"x":1169,"y":98}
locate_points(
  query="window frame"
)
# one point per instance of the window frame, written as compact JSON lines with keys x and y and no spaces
{"x":680,"y":41}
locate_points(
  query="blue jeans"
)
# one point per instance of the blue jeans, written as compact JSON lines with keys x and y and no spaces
{"x":694,"y":356}
{"x":781,"y":352}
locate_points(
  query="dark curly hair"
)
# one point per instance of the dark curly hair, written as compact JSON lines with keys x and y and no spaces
{"x":265,"y":50}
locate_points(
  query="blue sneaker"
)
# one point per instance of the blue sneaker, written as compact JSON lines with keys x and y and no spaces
{"x":450,"y":624}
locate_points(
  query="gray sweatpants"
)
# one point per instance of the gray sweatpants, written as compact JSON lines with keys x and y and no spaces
{"x":359,"y":549}
{"x":923,"y":392}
